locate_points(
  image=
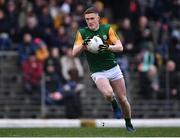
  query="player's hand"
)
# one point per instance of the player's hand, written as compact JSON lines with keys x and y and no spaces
{"x":103,"y":48}
{"x":86,"y":40}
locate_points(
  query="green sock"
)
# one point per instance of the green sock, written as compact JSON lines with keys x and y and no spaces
{"x":128,"y":121}
{"x":114,"y":103}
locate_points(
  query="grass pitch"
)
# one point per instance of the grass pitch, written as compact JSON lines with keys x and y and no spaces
{"x":88,"y":132}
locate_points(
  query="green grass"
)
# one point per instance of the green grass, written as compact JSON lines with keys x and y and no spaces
{"x":88,"y":132}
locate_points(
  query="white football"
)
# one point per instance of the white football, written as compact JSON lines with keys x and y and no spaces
{"x":93,"y":44}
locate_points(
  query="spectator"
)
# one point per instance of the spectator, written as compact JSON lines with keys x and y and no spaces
{"x":12,"y":14}
{"x":145,"y":59}
{"x":54,"y":60}
{"x":73,"y":91}
{"x":54,"y":86}
{"x":62,"y":39}
{"x":66,"y":6}
{"x":32,"y":27}
{"x":26,"y":48}
{"x":38,"y":5}
{"x":79,"y":9}
{"x":26,"y":11}
{"x":169,"y":77}
{"x":69,"y":63}
{"x":73,"y":73}
{"x":32,"y":70}
{"x":45,"y":19}
{"x":127,"y":37}
{"x":150,"y":88}
{"x":174,"y":49}
{"x":143,"y":35}
{"x":4,"y":23}
{"x":42,"y":51}
{"x":134,"y":10}
{"x":67,"y":19}
{"x":53,"y":8}
{"x":5,"y":42}
{"x":153,"y":76}
{"x":49,"y":37}
{"x":73,"y":97}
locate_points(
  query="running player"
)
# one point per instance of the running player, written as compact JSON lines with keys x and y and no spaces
{"x":106,"y":73}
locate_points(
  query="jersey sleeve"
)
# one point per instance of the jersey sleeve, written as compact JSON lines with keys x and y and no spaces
{"x":78,"y":39}
{"x":113,"y":36}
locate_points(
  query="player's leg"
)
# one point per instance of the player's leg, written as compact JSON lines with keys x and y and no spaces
{"x":120,"y":90}
{"x":105,"y":88}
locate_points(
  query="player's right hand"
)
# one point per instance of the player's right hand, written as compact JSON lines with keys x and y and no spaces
{"x":86,"y":40}
{"x":103,"y":48}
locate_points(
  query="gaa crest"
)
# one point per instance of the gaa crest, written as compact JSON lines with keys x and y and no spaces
{"x":104,"y":37}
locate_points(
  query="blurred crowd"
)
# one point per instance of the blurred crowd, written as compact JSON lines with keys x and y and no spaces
{"x":43,"y":31}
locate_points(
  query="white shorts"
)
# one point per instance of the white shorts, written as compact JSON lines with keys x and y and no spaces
{"x":111,"y":74}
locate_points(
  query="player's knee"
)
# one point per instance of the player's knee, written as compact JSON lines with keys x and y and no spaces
{"x":123,"y":99}
{"x":108,"y":96}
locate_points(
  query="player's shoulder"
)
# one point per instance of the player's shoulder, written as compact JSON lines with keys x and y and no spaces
{"x":83,"y":29}
{"x":105,"y":26}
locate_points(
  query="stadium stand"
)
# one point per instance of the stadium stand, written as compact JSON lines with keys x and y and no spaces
{"x":160,"y":38}
{"x":15,"y":103}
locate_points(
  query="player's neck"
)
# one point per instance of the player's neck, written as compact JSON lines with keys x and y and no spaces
{"x":95,"y":29}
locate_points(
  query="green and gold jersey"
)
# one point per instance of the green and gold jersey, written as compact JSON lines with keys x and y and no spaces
{"x":100,"y":61}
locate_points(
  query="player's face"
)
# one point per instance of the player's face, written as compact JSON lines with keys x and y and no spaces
{"x":92,"y":20}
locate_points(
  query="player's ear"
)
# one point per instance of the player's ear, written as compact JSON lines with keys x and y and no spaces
{"x":98,"y":17}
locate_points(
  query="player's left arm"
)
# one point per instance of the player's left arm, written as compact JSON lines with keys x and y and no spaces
{"x":116,"y":43}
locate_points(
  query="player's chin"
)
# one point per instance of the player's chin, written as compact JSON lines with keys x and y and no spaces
{"x":92,"y":27}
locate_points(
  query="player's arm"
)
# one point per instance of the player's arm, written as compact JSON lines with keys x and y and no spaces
{"x":117,"y":45}
{"x":80,"y":44}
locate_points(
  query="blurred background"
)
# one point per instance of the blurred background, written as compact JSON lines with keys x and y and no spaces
{"x":40,"y":79}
